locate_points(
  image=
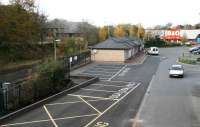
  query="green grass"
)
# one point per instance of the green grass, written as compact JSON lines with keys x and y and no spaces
{"x":187,"y":61}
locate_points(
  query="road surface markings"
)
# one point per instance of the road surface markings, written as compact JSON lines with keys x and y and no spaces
{"x":137,"y":117}
{"x":117,"y":73}
{"x":51,"y":118}
{"x":90,"y":105}
{"x":48,"y":120}
{"x":90,"y":96}
{"x":94,"y":71}
{"x":112,"y":105}
{"x":73,"y":117}
{"x":31,"y":122}
{"x":97,"y":74}
{"x":99,"y":90}
{"x":73,"y":102}
{"x":119,"y":81}
{"x":107,"y":85}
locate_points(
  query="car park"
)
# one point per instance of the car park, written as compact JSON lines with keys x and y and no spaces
{"x":153,"y":51}
{"x":176,"y":71}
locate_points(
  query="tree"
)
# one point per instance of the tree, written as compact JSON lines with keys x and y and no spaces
{"x":184,"y":38}
{"x":197,"y":26}
{"x":28,"y":5}
{"x":119,"y":31}
{"x":20,"y":24}
{"x":133,"y":30}
{"x":168,"y":25}
{"x":90,"y":32}
{"x":103,"y":33}
{"x":141,"y":31}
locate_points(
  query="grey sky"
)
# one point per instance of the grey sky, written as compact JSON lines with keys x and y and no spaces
{"x":101,"y":12}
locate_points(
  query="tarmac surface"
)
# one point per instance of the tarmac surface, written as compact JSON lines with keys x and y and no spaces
{"x":111,"y":102}
{"x":172,"y":102}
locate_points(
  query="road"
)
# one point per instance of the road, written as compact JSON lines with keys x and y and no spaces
{"x":94,"y":105}
{"x":172,"y":102}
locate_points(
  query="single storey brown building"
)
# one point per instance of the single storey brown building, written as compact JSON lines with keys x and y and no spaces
{"x":116,"y":49}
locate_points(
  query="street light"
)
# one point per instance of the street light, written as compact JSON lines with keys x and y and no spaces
{"x":54,"y":43}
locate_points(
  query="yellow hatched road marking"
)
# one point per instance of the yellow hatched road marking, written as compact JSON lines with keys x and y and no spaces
{"x":90,"y":105}
{"x":91,"y":97}
{"x":112,"y":105}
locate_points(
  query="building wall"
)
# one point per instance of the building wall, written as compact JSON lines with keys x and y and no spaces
{"x":175,"y":34}
{"x":109,"y":55}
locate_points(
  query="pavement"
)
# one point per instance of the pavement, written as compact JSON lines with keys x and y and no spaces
{"x":171,"y":102}
{"x":111,"y":102}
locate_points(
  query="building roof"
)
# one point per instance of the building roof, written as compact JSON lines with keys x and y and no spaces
{"x":66,"y":26}
{"x":118,"y":43}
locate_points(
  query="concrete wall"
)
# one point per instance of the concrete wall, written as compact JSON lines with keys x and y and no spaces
{"x":109,"y":56}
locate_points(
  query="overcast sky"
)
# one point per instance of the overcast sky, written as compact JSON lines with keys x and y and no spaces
{"x":103,"y":12}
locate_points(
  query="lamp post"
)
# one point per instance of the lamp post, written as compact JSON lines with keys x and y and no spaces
{"x":54,"y":43}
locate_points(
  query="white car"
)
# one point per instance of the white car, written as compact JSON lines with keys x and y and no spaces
{"x":176,"y":71}
{"x":153,"y":51}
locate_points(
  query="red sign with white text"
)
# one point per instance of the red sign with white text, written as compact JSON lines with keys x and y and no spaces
{"x":172,"y":35}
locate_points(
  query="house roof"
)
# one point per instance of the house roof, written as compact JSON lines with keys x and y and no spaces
{"x":118,"y":43}
{"x":68,"y":27}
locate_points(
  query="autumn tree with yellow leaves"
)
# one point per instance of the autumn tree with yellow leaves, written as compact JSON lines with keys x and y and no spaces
{"x":103,"y":33}
{"x":119,"y":31}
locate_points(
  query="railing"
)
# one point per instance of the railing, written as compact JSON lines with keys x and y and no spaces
{"x":189,"y":58}
{"x":79,"y":59}
{"x":19,"y":94}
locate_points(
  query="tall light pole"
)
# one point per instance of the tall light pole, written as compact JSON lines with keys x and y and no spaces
{"x":55,"y":52}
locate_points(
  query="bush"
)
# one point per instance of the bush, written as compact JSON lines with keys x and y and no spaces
{"x":187,"y":61}
{"x":50,"y":78}
{"x":160,"y":43}
{"x":15,"y":53}
{"x":172,"y":44}
{"x":155,"y":42}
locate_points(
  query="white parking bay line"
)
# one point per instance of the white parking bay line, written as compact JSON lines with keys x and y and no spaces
{"x":31,"y":122}
{"x":99,"y":90}
{"x":117,"y":73}
{"x":40,"y":121}
{"x":74,"y":102}
{"x":73,"y":117}
{"x":108,"y":85}
{"x":112,"y":105}
{"x":51,"y":118}
{"x":94,"y":97}
{"x":90,"y":105}
{"x":118,"y":81}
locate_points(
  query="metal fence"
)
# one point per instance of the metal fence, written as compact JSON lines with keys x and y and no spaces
{"x":79,"y":59}
{"x":22,"y":93}
{"x":19,"y":94}
{"x":190,"y":56}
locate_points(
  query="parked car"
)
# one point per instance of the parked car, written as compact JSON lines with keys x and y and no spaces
{"x":194,"y":49}
{"x":196,"y":52}
{"x":176,"y":71}
{"x":153,"y":51}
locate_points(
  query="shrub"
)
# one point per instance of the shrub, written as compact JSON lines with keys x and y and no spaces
{"x":50,"y":78}
{"x":187,"y":61}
